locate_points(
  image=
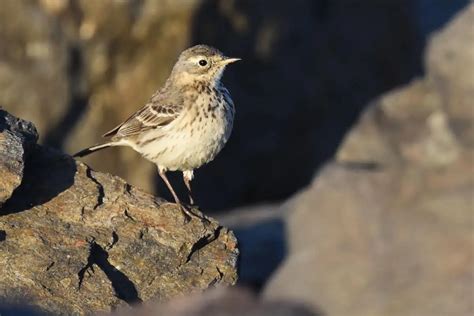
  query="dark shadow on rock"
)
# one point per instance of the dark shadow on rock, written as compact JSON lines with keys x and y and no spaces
{"x":122,"y":285}
{"x":47,"y":173}
{"x":262,"y":249}
{"x":203,"y":242}
{"x":309,"y":68}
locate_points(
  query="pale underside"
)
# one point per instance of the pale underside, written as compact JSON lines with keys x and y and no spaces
{"x":178,"y":138}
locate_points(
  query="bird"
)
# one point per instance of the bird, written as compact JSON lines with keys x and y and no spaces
{"x":185,"y":123}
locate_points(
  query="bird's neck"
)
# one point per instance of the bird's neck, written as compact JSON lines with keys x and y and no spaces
{"x":185,"y":79}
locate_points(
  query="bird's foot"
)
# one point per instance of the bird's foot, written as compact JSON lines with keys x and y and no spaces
{"x":188,"y":213}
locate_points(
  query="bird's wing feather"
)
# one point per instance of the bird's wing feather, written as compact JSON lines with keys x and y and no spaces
{"x":153,"y":115}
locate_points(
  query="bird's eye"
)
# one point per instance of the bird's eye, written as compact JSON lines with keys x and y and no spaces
{"x":202,"y":62}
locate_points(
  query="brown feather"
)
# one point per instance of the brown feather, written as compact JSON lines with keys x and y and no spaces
{"x":152,"y":115}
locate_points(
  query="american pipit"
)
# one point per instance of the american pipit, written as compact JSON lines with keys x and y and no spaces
{"x":186,"y":122}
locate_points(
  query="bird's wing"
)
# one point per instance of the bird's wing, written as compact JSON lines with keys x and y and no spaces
{"x":153,"y":115}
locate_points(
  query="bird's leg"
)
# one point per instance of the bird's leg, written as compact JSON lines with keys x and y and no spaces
{"x":188,"y":175}
{"x":187,"y":214}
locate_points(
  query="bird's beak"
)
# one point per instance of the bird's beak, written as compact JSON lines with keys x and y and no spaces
{"x":229,"y":60}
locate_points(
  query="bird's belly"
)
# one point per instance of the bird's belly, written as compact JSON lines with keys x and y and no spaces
{"x":189,"y":146}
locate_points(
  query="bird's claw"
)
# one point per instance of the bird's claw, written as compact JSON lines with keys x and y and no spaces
{"x":188,"y":214}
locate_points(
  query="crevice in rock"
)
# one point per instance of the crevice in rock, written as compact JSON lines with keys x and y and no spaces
{"x":203,"y":242}
{"x":83,"y":213}
{"x":100,"y":188}
{"x":122,"y":285}
{"x":3,"y":235}
{"x":217,"y":279}
{"x":115,"y":239}
{"x":142,"y":233}
{"x":46,"y":288}
{"x":127,"y":215}
{"x":50,"y":265}
{"x":128,"y":189}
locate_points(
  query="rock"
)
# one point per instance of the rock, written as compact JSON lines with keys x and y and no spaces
{"x":77,"y":241}
{"x":386,"y":228}
{"x":409,"y":126}
{"x":11,"y":164}
{"x":449,"y":61}
{"x":14,"y":135}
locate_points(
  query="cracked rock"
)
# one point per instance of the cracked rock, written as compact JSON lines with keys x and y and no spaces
{"x":77,"y":241}
{"x":15,"y":136}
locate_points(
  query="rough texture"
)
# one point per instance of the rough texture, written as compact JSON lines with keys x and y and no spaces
{"x":103,"y":59}
{"x":73,"y":240}
{"x":386,"y":229}
{"x":11,"y":164}
{"x":15,"y":135}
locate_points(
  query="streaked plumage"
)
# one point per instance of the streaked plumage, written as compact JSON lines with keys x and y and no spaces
{"x":187,"y":122}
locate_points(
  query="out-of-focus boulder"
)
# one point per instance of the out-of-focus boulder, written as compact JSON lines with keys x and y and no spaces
{"x":386,"y":228}
{"x":450,"y":63}
{"x":34,"y":61}
{"x":220,"y":302}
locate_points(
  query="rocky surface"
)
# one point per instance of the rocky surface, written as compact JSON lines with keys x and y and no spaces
{"x":309,"y":67}
{"x":77,"y":241}
{"x":14,"y":136}
{"x":386,"y":228}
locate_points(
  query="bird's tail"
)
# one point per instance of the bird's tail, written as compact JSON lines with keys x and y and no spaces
{"x":92,"y":149}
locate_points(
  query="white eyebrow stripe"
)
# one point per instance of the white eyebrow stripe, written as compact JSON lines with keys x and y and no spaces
{"x":197,"y":58}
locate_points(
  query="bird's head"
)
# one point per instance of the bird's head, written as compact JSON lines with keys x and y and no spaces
{"x":201,"y":62}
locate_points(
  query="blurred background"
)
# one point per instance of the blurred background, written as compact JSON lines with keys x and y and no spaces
{"x":348,"y":176}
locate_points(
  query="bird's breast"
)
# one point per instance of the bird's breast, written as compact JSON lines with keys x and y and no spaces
{"x":197,"y":136}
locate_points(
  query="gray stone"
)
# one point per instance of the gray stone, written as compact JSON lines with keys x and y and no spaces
{"x":15,"y":136}
{"x":386,"y":228}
